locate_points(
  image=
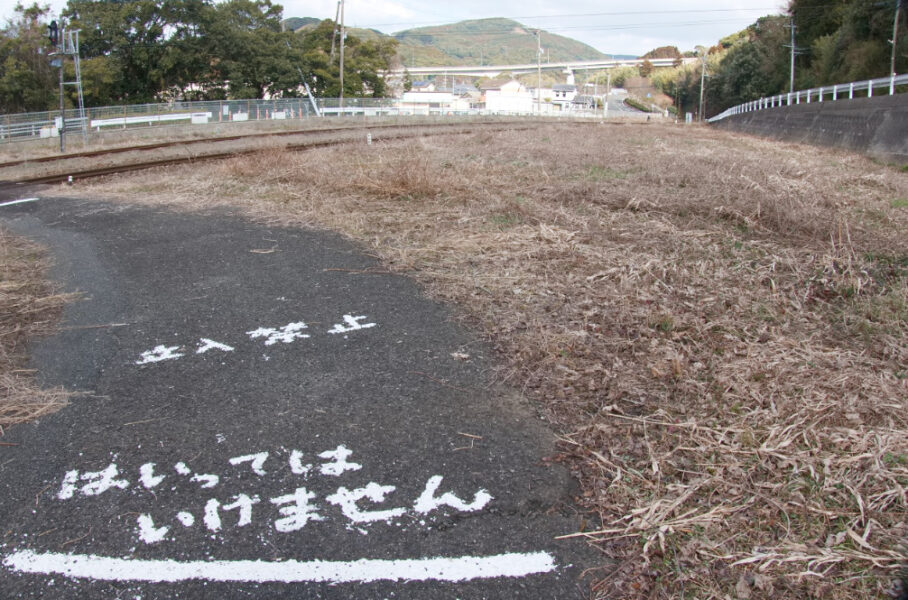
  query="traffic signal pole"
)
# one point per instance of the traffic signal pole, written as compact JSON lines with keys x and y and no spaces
{"x":55,"y":35}
{"x":62,"y":111}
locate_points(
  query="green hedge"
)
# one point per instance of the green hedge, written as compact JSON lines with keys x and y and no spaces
{"x":634,"y":103}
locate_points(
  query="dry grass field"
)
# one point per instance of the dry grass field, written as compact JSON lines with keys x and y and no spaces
{"x":29,"y":307}
{"x":716,"y":327}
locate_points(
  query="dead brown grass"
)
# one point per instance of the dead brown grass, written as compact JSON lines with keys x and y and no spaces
{"x":716,"y":324}
{"x":28,"y":307}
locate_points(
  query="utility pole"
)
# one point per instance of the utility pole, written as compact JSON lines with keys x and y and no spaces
{"x":334,"y":35}
{"x":539,"y":71}
{"x":895,"y":35}
{"x":596,"y":91}
{"x":343,"y":35}
{"x":608,"y":91}
{"x":703,"y":57}
{"x":794,"y":50}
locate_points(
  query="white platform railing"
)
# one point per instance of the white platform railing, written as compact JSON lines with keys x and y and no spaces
{"x":828,"y":93}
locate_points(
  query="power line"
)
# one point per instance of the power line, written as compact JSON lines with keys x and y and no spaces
{"x":596,"y":14}
{"x":819,"y":10}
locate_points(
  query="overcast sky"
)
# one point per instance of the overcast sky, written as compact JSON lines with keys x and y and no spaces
{"x":613,"y":27}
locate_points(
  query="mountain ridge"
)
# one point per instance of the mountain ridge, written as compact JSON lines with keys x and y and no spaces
{"x":474,"y":41}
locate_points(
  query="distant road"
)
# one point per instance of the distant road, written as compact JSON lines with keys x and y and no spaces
{"x":495,"y":70}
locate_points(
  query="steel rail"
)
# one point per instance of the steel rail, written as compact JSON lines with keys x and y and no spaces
{"x":212,"y":140}
{"x":77,"y":175}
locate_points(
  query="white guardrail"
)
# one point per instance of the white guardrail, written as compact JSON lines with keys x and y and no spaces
{"x":818,"y":94}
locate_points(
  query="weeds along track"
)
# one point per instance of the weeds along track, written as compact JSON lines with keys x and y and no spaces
{"x":96,"y":163}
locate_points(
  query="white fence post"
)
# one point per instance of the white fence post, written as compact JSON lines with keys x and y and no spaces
{"x":870,"y":89}
{"x":851,"y":91}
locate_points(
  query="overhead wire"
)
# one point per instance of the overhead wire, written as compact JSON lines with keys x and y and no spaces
{"x":573,"y":15}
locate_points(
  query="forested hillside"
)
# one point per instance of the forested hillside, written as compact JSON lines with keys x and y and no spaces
{"x":837,"y":41}
{"x":486,"y":41}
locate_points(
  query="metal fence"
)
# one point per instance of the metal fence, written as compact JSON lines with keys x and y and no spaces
{"x":829,"y":93}
{"x":37,"y":125}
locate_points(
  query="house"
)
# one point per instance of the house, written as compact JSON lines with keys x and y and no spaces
{"x":563,"y":94}
{"x":422,"y":86}
{"x":584,"y":103}
{"x":500,"y":95}
{"x":426,"y":103}
{"x":545,"y":94}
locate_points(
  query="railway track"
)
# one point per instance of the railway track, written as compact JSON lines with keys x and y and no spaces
{"x":61,"y":168}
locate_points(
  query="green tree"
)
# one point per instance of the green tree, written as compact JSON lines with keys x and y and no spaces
{"x":622,"y":74}
{"x":251,"y":53}
{"x":755,"y":65}
{"x":858,"y":47}
{"x":663,"y":52}
{"x":364,"y":63}
{"x":408,"y":81}
{"x":27,"y":80}
{"x":132,"y":35}
{"x":185,"y":64}
{"x":99,"y":82}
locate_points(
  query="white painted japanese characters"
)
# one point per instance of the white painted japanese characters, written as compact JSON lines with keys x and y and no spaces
{"x":286,"y":334}
{"x":214,"y":503}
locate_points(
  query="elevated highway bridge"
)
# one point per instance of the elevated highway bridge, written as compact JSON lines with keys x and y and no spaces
{"x":520,"y":69}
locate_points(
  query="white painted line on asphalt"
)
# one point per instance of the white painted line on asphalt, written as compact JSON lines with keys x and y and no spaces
{"x":22,"y":201}
{"x":463,"y":568}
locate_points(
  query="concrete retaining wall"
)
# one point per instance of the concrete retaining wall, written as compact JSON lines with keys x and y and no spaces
{"x":875,"y":126}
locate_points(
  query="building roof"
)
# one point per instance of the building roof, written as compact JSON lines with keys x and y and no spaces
{"x":495,"y":84}
{"x":591,"y":100}
{"x":564,"y":87}
{"x":464,"y":88}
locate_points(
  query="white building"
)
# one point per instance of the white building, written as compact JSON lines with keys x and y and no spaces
{"x":506,"y":96}
{"x":433,"y":103}
{"x":563,"y":95}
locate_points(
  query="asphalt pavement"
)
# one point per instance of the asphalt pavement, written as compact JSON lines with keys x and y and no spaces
{"x":263,"y":412}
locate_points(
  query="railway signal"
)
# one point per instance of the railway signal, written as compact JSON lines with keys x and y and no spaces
{"x":53,"y":34}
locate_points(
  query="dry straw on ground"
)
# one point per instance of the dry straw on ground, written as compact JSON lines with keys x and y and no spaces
{"x":716,"y":325}
{"x":28,"y":308}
